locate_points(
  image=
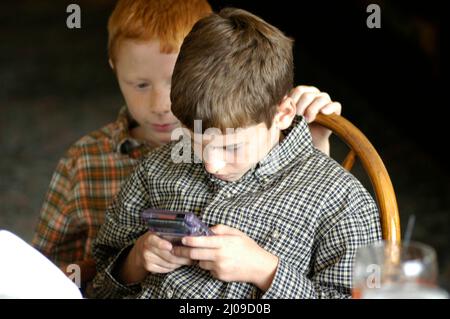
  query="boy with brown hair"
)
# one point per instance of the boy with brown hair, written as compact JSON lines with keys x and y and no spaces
{"x":287,"y":218}
{"x":144,"y":39}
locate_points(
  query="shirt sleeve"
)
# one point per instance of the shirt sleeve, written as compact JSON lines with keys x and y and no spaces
{"x":332,"y":261}
{"x":117,"y":235}
{"x":59,"y":234}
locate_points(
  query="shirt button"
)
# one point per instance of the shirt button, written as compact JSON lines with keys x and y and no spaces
{"x":169,"y":293}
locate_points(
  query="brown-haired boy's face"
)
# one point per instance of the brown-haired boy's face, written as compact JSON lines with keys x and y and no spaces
{"x":229,"y":156}
{"x":144,"y":75}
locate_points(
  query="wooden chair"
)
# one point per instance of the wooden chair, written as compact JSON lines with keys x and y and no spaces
{"x":373,"y":165}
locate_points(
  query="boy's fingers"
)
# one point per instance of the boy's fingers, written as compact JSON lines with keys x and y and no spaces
{"x":215,"y":241}
{"x":225,"y":230}
{"x":155,"y":263}
{"x":298,"y":91}
{"x":155,"y":241}
{"x":169,"y":257}
{"x":334,"y":107}
{"x":207,"y":265}
{"x":195,"y":253}
{"x":319,"y":102}
{"x":159,"y":269}
{"x":305,"y":101}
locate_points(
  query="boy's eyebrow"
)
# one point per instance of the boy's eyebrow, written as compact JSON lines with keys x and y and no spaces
{"x":140,"y":79}
{"x":143,"y":80}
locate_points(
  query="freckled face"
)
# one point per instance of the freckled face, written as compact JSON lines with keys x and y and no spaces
{"x":144,"y":75}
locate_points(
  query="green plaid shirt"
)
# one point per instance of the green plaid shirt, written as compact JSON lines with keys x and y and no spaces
{"x":297,"y":203}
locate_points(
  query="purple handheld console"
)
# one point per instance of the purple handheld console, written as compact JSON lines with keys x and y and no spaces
{"x":173,"y":225}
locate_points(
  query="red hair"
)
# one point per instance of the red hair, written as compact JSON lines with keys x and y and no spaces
{"x":168,"y":21}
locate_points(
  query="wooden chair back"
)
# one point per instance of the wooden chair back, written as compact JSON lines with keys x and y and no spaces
{"x":361,"y":148}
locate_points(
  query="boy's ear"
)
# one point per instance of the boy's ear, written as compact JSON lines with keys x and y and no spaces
{"x":111,"y":64}
{"x":286,"y":111}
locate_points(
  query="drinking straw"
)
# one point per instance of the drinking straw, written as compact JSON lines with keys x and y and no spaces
{"x":409,"y":229}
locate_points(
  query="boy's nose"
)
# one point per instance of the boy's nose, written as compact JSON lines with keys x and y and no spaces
{"x":160,"y":108}
{"x":159,"y":103}
{"x":214,"y":166}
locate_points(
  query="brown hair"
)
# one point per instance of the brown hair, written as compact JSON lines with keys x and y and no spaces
{"x":168,"y":21}
{"x":232,"y":70}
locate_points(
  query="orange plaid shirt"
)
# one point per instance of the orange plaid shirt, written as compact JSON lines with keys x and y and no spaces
{"x":83,"y":185}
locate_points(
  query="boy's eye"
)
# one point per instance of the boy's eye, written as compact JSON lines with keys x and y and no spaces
{"x":142,"y":85}
{"x":232,"y":148}
{"x":229,"y":148}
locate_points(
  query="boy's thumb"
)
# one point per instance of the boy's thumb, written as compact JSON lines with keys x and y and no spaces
{"x":223,"y":230}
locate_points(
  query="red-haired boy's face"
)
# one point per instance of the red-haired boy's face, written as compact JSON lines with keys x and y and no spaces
{"x":144,"y":75}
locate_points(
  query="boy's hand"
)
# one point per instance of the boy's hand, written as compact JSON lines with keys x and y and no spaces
{"x":152,"y":254}
{"x":310,"y":101}
{"x":230,"y":255}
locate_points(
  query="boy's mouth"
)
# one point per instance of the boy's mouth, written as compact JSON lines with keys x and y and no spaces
{"x":164,"y":127}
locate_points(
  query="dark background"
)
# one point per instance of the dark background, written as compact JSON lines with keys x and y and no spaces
{"x":56,"y":86}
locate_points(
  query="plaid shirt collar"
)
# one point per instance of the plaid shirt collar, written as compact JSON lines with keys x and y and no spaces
{"x":296,"y":146}
{"x":122,"y":140}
